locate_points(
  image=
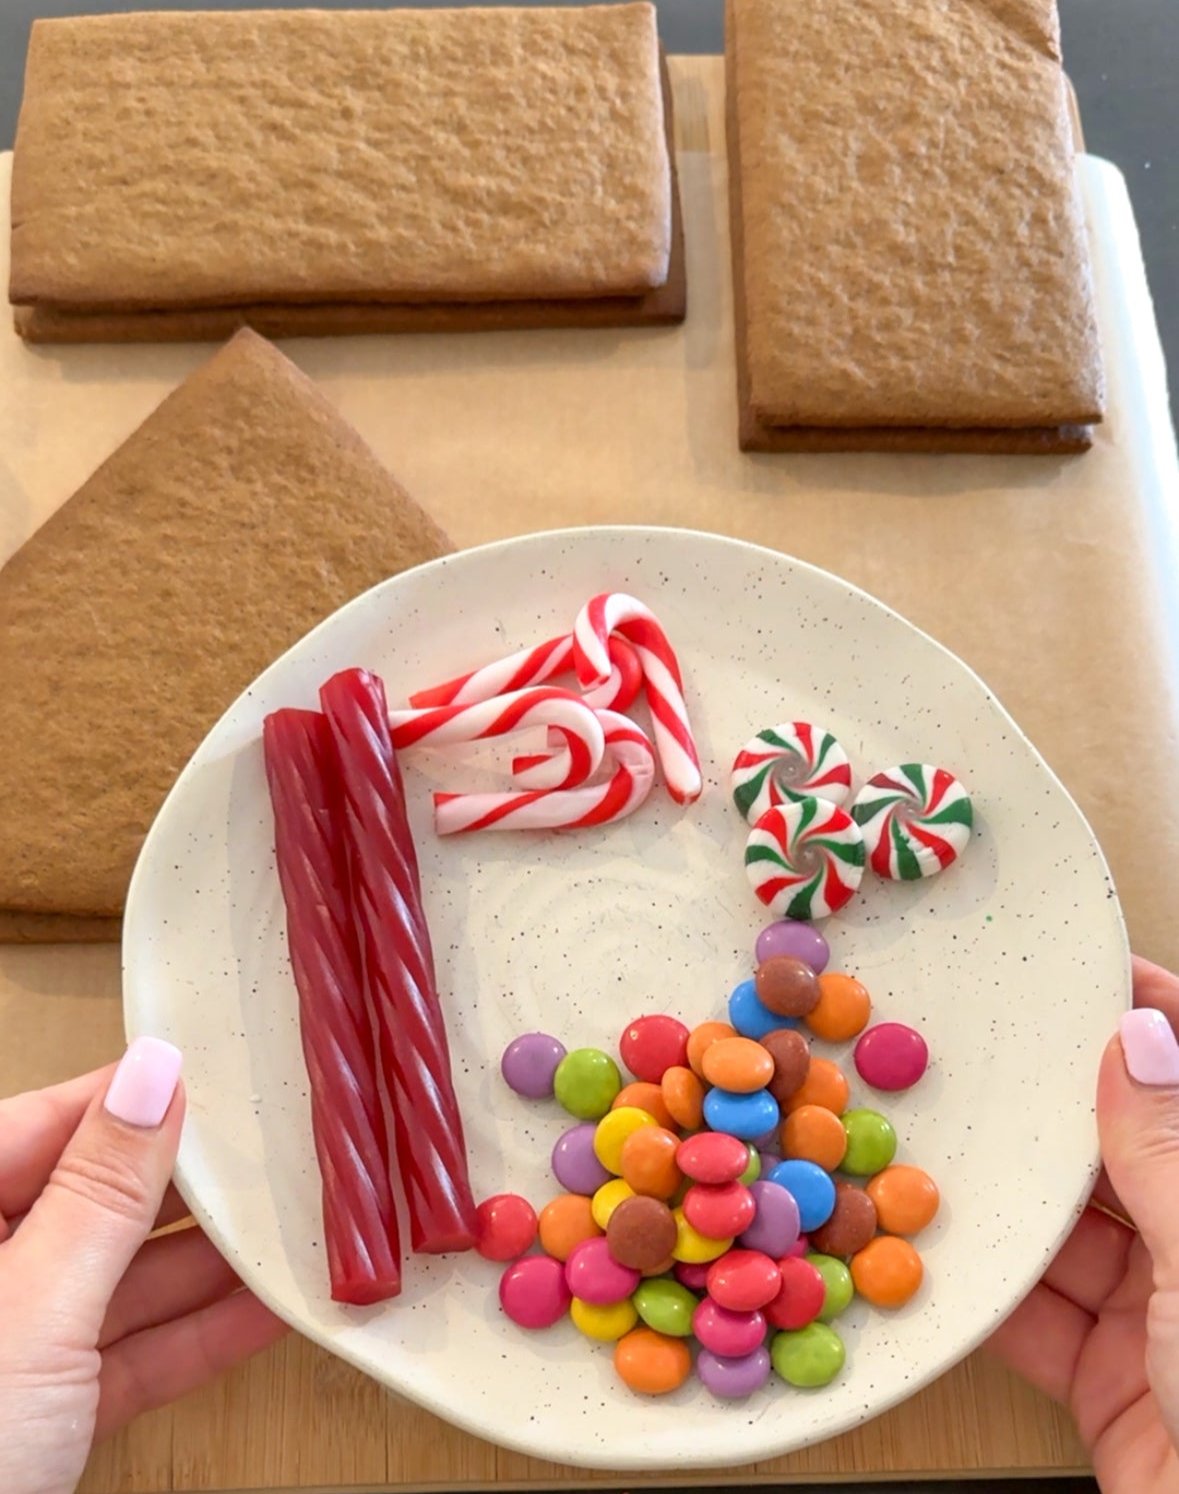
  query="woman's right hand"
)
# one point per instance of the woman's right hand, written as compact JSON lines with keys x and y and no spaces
{"x":1100,"y":1333}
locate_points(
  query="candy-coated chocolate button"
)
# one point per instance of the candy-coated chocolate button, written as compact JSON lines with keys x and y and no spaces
{"x":887,"y":1271}
{"x":699,"y":1039}
{"x":749,"y":1016}
{"x":786,"y":986}
{"x":801,"y":941}
{"x":891,"y":1056}
{"x":738,"y":1064}
{"x":648,"y":1161}
{"x":851,"y":1225}
{"x":529,"y":1064}
{"x":745,"y":1116}
{"x":612,"y":1130}
{"x":871,"y":1143}
{"x":800,"y":1297}
{"x":641,"y":1233}
{"x":693,"y":1274}
{"x":808,"y":1357}
{"x":648,"y":1097}
{"x":719,"y":1210}
{"x":692,"y":1246}
{"x":683,"y":1098}
{"x":815,"y":1135}
{"x":505,"y":1227}
{"x":592,"y":1274}
{"x":727,"y":1332}
{"x":744,"y":1280}
{"x":565,"y":1222}
{"x":775,"y":1224}
{"x":651,"y":1045}
{"x":791,"y":1055}
{"x":666,"y":1306}
{"x":712,"y":1157}
{"x":837,"y":1283}
{"x":824,"y":1085}
{"x":575,"y":1164}
{"x":533,"y":1291}
{"x":732,"y":1379}
{"x":586,"y":1082}
{"x":813,"y":1190}
{"x":906,"y":1199}
{"x":652,"y":1363}
{"x":607,"y":1199}
{"x":843,"y":1009}
{"x":606,"y":1323}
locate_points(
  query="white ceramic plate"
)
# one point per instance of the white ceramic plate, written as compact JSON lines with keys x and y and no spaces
{"x":1013,"y":964}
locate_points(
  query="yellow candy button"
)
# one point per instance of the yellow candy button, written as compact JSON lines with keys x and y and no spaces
{"x":612,"y":1131}
{"x":607,"y":1199}
{"x":603,"y":1323}
{"x":690,"y":1245}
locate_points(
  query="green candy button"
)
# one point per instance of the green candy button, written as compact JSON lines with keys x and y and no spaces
{"x":871,"y":1143}
{"x":666,"y":1306}
{"x":808,"y":1357}
{"x":586,"y":1083}
{"x":838,"y":1281}
{"x":753,"y":1170}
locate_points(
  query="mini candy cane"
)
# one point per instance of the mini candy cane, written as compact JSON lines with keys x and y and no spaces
{"x":805,"y":859}
{"x":616,"y":612}
{"x":568,"y":809}
{"x":533,"y":666}
{"x":789,"y":762}
{"x":915,"y":819}
{"x":543,"y":706}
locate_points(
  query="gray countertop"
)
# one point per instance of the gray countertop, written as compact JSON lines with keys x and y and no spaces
{"x":1121,"y":57}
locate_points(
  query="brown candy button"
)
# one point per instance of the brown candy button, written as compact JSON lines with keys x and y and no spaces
{"x":792,"y":1058}
{"x":851,"y":1226}
{"x":787,"y":986}
{"x":641,"y":1232}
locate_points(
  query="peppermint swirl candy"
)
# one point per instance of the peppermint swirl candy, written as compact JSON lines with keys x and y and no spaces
{"x":805,"y":859}
{"x":916,"y":820}
{"x":786,"y":763}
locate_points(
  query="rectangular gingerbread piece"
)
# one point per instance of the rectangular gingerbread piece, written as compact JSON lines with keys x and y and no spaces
{"x":911,"y":269}
{"x":417,"y":168}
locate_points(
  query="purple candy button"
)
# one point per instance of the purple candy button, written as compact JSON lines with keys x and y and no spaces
{"x":798,"y":940}
{"x":891,"y":1056}
{"x":575,"y":1164}
{"x":529,"y":1063}
{"x":775,"y":1226}
{"x":733,"y":1377}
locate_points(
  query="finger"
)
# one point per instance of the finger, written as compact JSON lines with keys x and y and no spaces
{"x":34,"y":1130}
{"x":151,"y":1368}
{"x":103,"y":1195}
{"x":169,"y":1278}
{"x":1156,"y":987}
{"x":1042,"y":1340}
{"x":172,"y":1211}
{"x":1092,"y":1262}
{"x":1138,"y":1118}
{"x":1105,"y":1197}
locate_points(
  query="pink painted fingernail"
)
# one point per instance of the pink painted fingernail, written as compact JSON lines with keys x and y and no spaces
{"x":1152,"y":1053}
{"x":144,"y":1082}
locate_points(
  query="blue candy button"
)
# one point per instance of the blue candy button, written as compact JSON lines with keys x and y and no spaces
{"x":750,"y":1017}
{"x":813,"y":1190}
{"x":745,"y":1116}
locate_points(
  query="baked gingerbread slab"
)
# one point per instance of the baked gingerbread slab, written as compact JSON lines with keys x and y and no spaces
{"x":911,"y":269}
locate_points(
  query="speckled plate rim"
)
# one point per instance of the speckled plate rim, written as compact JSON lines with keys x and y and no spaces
{"x":614,"y":1457}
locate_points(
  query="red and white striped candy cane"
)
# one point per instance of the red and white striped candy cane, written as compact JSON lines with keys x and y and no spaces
{"x":561,"y":710}
{"x":533,"y":666}
{"x":569,"y":809}
{"x":616,"y":612}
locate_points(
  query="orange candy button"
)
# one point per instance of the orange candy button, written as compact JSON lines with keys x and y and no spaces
{"x":843,"y":1010}
{"x":824,"y":1085}
{"x":652,"y":1363}
{"x":887,"y":1271}
{"x":814,"y":1134}
{"x":906,"y":1199}
{"x":683,"y":1097}
{"x":564,"y":1223}
{"x":648,"y":1097}
{"x":648,"y":1162}
{"x":700,"y":1038}
{"x":737,"y":1064}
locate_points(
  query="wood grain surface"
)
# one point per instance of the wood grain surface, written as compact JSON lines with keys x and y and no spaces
{"x":296,"y":1419}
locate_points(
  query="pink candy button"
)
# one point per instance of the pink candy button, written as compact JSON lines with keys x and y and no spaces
{"x":891,"y":1056}
{"x":725,"y":1332}
{"x":593,"y":1274}
{"x":533,"y":1292}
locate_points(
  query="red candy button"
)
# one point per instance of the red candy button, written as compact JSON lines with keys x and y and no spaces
{"x":652,"y":1045}
{"x":800,"y":1297}
{"x":744,"y":1280}
{"x":712,"y":1157}
{"x":505,"y":1227}
{"x":719,"y":1211}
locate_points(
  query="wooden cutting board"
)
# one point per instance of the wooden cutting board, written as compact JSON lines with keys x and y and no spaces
{"x":1076,"y":549}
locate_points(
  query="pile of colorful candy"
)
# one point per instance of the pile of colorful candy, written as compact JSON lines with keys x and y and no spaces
{"x":617,"y":649}
{"x":806,"y":853}
{"x":728,"y":1194}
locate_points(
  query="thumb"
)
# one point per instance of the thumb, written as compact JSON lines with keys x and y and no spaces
{"x":102,"y":1198}
{"x":1138,"y":1117}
